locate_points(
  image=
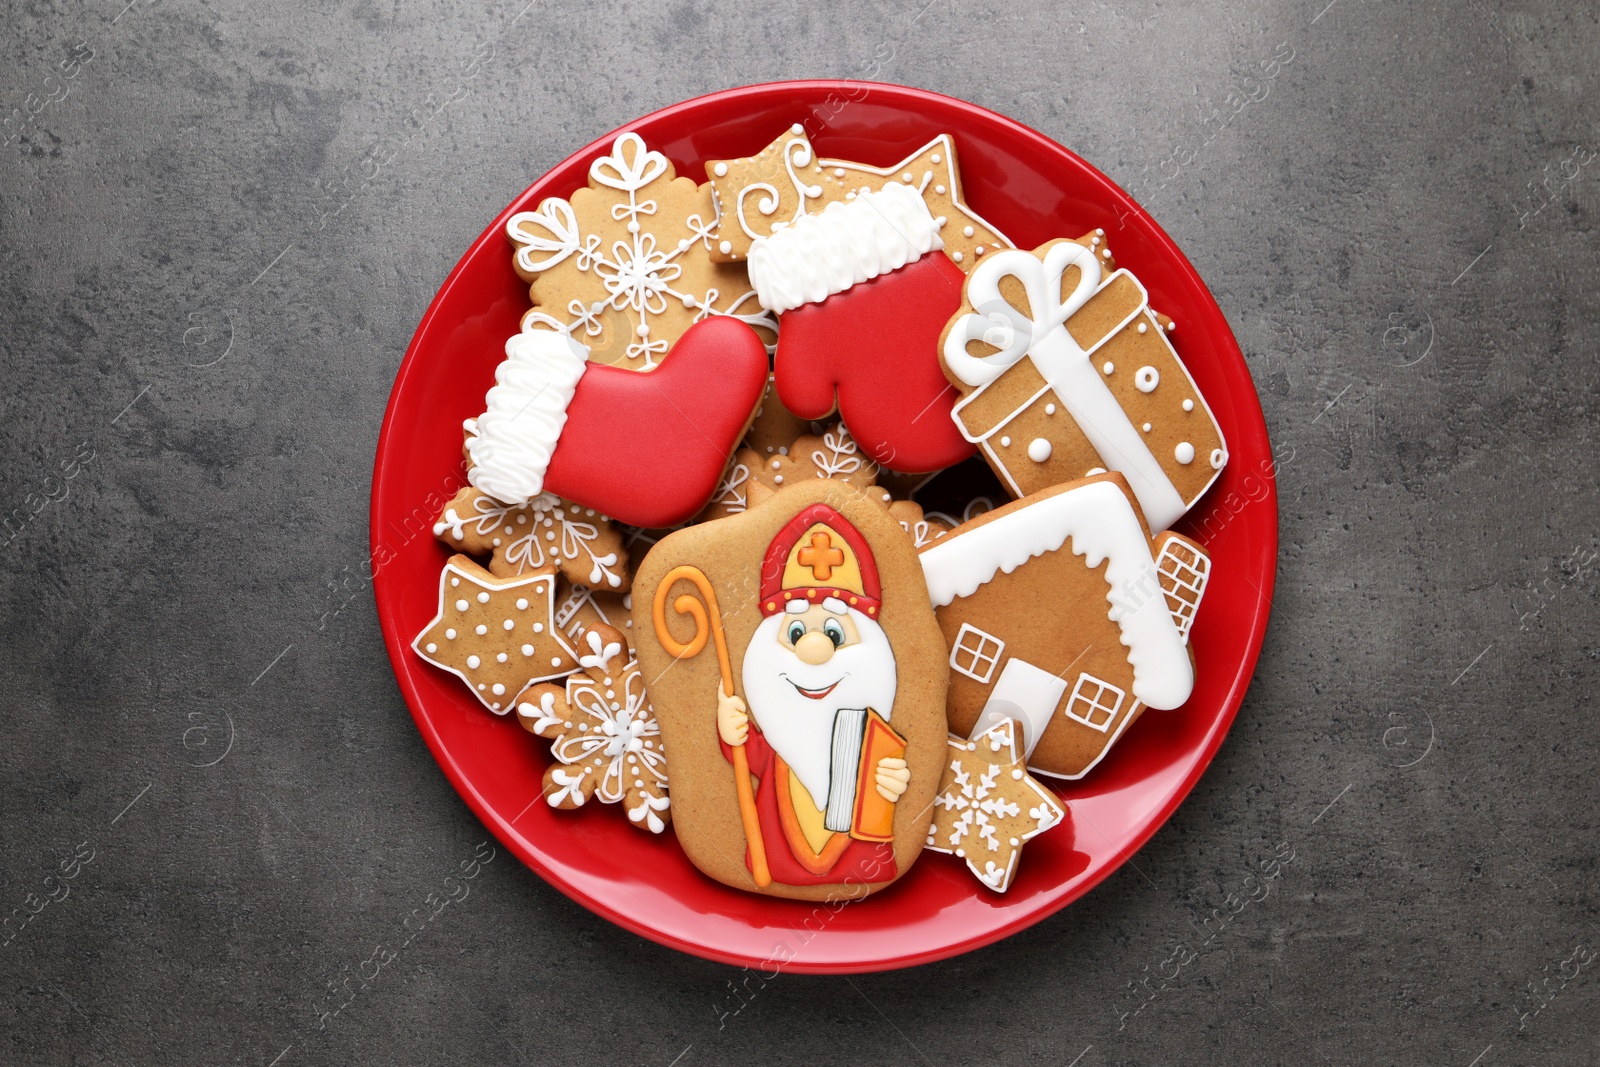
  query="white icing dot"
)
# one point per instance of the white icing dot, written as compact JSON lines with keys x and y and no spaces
{"x":688,"y":300}
{"x":633,"y":227}
{"x":1146,"y":379}
{"x":1100,"y":233}
{"x":496,"y":542}
{"x":777,"y":479}
{"x":797,"y":129}
{"x":838,"y":172}
{"x":432,"y":647}
{"x":455,"y":581}
{"x":1106,"y":252}
{"x":1049,"y":409}
{"x":725,"y":247}
{"x":481,"y":687}
{"x":481,"y":629}
{"x":497,"y":689}
{"x":978,"y":250}
{"x":956,"y":256}
{"x":1005,"y":442}
{"x":1039,"y":450}
{"x":966,"y":231}
{"x":538,"y":627}
{"x":527,"y":650}
{"x":1188,"y":405}
{"x":683,"y":244}
{"x":450,"y":634}
{"x":555,"y":661}
{"x":522,"y":603}
{"x":1171,"y":326}
{"x":906,"y":176}
{"x":935,"y":158}
{"x":483,"y":598}
{"x":501,"y":657}
{"x":1184,"y":452}
{"x":720,"y":170}
{"x":461,"y":605}
{"x":473,"y":661}
{"x":1016,"y":773}
{"x":938,"y":188}
{"x":1108,"y":366}
{"x":1143,"y":327}
{"x":1147,"y":427}
{"x":509,"y":625}
{"x":644,"y":329}
{"x":1218,"y":458}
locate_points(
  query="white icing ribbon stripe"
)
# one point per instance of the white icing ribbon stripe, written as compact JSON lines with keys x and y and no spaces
{"x":1040,"y":334}
{"x":512,"y":441}
{"x":849,"y":241}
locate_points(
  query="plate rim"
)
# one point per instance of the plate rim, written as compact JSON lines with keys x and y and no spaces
{"x":397,"y":646}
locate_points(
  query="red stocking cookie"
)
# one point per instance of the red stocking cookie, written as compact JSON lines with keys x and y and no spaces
{"x":555,"y":422}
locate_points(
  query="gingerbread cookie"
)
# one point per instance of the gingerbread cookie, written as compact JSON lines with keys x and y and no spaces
{"x":624,"y":265}
{"x":1062,"y":611}
{"x":1063,"y":369}
{"x":863,"y":290}
{"x":796,"y":643}
{"x":548,"y":530}
{"x":604,"y":734}
{"x":760,"y":194}
{"x":775,"y":427}
{"x":924,"y":530}
{"x":578,"y":607}
{"x":989,"y":806}
{"x":496,"y":634}
{"x":556,"y":423}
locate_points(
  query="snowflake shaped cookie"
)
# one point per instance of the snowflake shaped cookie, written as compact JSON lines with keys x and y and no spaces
{"x":496,"y":634}
{"x":547,"y":531}
{"x":624,"y":265}
{"x":988,"y":805}
{"x":924,"y":530}
{"x":604,"y":734}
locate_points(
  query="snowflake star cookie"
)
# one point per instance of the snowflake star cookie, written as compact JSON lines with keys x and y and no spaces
{"x":547,"y":531}
{"x":604,"y":734}
{"x":988,"y":806}
{"x":496,"y":634}
{"x":624,"y":264}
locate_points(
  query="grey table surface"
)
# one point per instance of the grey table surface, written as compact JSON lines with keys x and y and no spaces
{"x":203,"y":729}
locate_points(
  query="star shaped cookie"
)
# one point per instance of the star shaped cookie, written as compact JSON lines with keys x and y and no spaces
{"x":496,"y":634}
{"x":989,"y":806}
{"x":758,"y":194}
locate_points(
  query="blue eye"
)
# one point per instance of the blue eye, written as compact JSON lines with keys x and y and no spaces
{"x":797,"y":630}
{"x":834,"y":631}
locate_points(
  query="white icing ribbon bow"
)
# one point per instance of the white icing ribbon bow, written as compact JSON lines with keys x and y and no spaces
{"x":1039,"y":332}
{"x":1014,"y":331}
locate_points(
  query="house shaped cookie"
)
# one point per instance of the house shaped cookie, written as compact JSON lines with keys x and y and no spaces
{"x":1064,"y":613}
{"x":1065,"y":370}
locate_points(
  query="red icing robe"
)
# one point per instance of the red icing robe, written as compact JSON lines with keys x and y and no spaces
{"x":789,"y":855}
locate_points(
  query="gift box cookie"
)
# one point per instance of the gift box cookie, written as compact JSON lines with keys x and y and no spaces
{"x":1065,"y":370}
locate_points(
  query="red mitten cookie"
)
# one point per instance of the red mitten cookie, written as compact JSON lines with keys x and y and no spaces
{"x":864,"y":292}
{"x":594,"y":434}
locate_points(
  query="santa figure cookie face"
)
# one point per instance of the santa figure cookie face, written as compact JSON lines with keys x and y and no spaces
{"x":800,"y":678}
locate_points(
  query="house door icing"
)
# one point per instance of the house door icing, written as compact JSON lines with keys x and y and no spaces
{"x":1024,"y":693}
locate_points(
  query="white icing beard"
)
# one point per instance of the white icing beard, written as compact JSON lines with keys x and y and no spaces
{"x":799,"y":728}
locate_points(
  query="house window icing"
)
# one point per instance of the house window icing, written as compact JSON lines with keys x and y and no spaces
{"x":1095,"y":702}
{"x":975,"y":653}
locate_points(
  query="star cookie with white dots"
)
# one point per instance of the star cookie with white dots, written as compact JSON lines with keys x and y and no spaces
{"x":496,"y":634}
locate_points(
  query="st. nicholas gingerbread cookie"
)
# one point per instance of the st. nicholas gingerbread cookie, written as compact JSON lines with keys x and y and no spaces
{"x":799,"y":675}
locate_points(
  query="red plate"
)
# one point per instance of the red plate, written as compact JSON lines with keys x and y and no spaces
{"x":1031,"y":189}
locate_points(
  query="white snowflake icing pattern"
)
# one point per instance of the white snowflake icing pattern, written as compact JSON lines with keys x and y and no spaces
{"x":641,"y":275}
{"x":553,"y":534}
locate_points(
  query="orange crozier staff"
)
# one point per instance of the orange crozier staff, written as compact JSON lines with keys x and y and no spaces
{"x":704,"y":628}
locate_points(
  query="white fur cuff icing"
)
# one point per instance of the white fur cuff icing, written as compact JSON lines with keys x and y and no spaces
{"x":513,"y":440}
{"x":849,"y":241}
